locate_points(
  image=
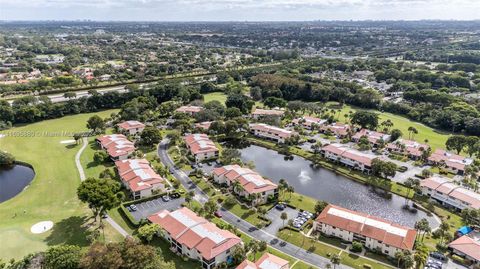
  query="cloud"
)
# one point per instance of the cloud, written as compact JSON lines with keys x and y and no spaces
{"x":239,"y":9}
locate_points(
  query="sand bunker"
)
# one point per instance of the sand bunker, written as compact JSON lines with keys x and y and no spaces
{"x":67,"y":141}
{"x":41,"y":227}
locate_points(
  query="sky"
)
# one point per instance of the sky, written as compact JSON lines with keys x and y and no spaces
{"x":238,"y":10}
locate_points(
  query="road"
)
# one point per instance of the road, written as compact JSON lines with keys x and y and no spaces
{"x":242,"y":225}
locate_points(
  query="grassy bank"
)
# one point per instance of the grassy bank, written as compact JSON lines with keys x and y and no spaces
{"x":52,"y":193}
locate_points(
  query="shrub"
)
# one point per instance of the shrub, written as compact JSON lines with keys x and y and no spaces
{"x":356,"y":247}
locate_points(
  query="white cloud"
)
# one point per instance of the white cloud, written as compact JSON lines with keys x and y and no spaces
{"x":239,"y":9}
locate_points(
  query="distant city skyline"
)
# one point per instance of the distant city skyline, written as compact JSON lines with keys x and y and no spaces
{"x":239,"y":10}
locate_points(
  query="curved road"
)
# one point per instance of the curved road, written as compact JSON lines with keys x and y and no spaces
{"x":247,"y":228}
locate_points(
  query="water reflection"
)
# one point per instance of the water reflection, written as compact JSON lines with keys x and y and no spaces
{"x":326,"y":185}
{"x":14,"y":180}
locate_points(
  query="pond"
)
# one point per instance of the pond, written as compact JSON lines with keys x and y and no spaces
{"x":14,"y":180}
{"x":323,"y":184}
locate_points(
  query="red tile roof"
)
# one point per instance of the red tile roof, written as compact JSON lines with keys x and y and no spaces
{"x":200,"y":143}
{"x":203,"y":125}
{"x":467,"y":245}
{"x":116,"y":145}
{"x":131,"y":124}
{"x":411,"y":147}
{"x":268,"y":112}
{"x":346,"y":152}
{"x":369,"y":226}
{"x":451,"y":160}
{"x":193,"y":231}
{"x":138,"y":174}
{"x":448,"y":188}
{"x":337,"y":128}
{"x":251,"y":181}
{"x":267,"y":261}
{"x":372,"y":136}
{"x":272,"y":129}
{"x":189,"y":109}
{"x":308,"y":120}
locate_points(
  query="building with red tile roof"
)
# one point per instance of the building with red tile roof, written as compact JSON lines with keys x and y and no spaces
{"x":259,"y":113}
{"x":453,"y":162}
{"x":253,"y":184}
{"x":267,"y":261}
{"x":131,"y":127}
{"x":191,"y":110}
{"x":117,"y":146}
{"x":374,"y":232}
{"x":411,"y":148}
{"x":468,"y":247}
{"x":338,"y":129}
{"x":350,"y":157}
{"x":196,"y":237}
{"x":201,"y":147}
{"x":449,"y":194}
{"x":373,"y":137}
{"x":309,"y":122}
{"x":203,"y":125}
{"x":266,"y":131}
{"x":139,"y":177}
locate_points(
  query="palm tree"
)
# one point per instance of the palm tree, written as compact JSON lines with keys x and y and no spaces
{"x":423,"y":226}
{"x":411,"y":132}
{"x":290,"y":190}
{"x":335,"y":260}
{"x":238,"y":187}
{"x":284,"y":217}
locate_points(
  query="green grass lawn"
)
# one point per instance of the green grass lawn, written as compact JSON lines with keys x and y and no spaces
{"x":218,"y":96}
{"x":52,"y":193}
{"x":436,"y":138}
{"x":327,"y":251}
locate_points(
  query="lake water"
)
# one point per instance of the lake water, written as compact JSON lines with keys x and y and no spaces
{"x":14,"y":180}
{"x":323,"y":184}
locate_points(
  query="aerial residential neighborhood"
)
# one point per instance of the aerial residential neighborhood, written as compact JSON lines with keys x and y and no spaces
{"x":240,"y":134}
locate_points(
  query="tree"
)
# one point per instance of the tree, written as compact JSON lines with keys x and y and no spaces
{"x":62,"y":257}
{"x":272,"y":102}
{"x":383,"y":168}
{"x":101,"y":195}
{"x":100,"y":157}
{"x":456,"y":142}
{"x":365,"y":119}
{"x":69,"y":95}
{"x":95,"y":123}
{"x":395,"y":134}
{"x":240,"y":101}
{"x":128,"y":254}
{"x":423,"y":226}
{"x":412,"y":131}
{"x":210,"y":207}
{"x":150,"y":136}
{"x":233,"y":112}
{"x":284,"y":217}
{"x":472,"y":145}
{"x":230,"y":156}
{"x":320,"y":206}
{"x":147,"y":231}
{"x":335,"y":260}
{"x":6,"y":159}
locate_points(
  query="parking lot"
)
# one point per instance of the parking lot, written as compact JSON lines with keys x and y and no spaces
{"x":277,"y":223}
{"x":148,"y":208}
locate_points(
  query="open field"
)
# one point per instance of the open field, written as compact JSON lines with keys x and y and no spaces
{"x":215,"y":96}
{"x":436,"y":138}
{"x":52,"y":193}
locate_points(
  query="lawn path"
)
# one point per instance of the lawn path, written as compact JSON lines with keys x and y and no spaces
{"x":81,"y":172}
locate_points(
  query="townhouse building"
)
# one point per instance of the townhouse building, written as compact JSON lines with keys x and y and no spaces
{"x":195,"y":237}
{"x":253,"y":184}
{"x":375,"y":233}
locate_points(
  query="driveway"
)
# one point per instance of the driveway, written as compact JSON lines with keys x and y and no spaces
{"x":277,"y":223}
{"x":148,"y":208}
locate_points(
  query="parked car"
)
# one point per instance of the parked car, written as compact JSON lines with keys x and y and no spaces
{"x":438,"y":256}
{"x":218,"y":214}
{"x":174,"y":195}
{"x":165,"y":198}
{"x":134,"y":207}
{"x":280,"y":206}
{"x":129,"y":209}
